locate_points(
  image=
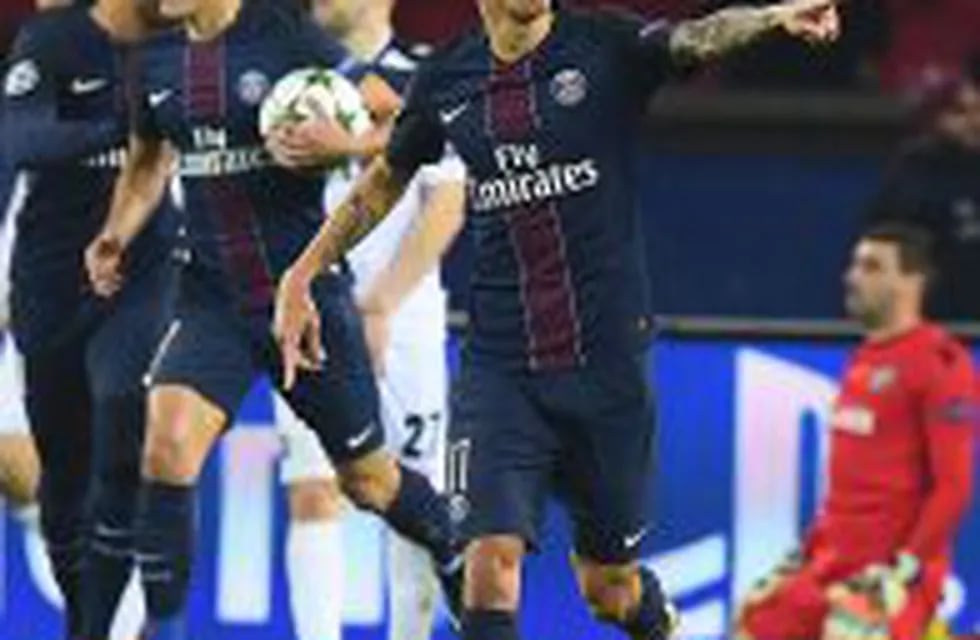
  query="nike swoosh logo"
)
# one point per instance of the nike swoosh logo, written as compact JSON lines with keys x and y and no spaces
{"x":81,"y":86}
{"x":631,"y":541}
{"x":356,"y":441}
{"x":451,"y":115}
{"x":157,"y":98}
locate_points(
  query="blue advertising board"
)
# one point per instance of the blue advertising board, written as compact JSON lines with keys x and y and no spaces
{"x":741,"y":445}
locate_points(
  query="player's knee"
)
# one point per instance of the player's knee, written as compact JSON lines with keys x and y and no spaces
{"x":181,"y":428}
{"x":314,"y":500}
{"x":611,"y":592}
{"x":370,"y":482}
{"x":493,"y":573}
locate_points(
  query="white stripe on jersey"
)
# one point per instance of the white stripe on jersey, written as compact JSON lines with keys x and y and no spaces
{"x":8,"y":235}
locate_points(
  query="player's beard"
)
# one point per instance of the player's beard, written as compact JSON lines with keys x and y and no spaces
{"x":870,"y":313}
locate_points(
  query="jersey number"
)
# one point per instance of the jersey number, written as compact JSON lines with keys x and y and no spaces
{"x":415,"y":426}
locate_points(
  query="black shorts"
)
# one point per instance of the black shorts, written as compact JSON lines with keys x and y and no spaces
{"x":218,"y":351}
{"x":585,"y":436}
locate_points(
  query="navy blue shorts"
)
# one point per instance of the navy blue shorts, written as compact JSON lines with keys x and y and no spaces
{"x":585,"y":436}
{"x":218,"y":351}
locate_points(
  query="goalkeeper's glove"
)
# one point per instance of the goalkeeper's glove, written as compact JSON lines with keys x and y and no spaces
{"x":768,"y":584}
{"x":863,"y":606}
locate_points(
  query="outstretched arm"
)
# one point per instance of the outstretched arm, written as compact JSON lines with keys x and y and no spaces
{"x":729,"y":29}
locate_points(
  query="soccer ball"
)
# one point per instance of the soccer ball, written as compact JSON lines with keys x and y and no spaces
{"x":309,"y":93}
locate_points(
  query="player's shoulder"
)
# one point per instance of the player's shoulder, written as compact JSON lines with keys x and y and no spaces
{"x":462,"y":50}
{"x":942,"y":350}
{"x":608,"y":23}
{"x":48,"y":28}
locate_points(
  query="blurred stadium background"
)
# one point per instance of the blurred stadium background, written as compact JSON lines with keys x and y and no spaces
{"x":758,"y":176}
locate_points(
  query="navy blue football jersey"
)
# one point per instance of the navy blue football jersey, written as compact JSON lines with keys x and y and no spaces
{"x":66,"y":115}
{"x":549,"y":144}
{"x":247,"y":219}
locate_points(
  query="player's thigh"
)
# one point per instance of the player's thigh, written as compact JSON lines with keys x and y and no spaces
{"x":123,"y":346}
{"x":201,"y":370}
{"x":795,"y":611}
{"x":607,"y":459}
{"x":59,"y":410}
{"x":501,"y":456}
{"x":303,"y":459}
{"x":339,"y":402}
{"x":414,"y":395}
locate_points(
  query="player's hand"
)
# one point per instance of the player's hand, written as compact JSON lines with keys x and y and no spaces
{"x":815,"y":21}
{"x":862,"y":607}
{"x":377,"y":333}
{"x":296,"y":327}
{"x":312,"y":143}
{"x":103,"y":262}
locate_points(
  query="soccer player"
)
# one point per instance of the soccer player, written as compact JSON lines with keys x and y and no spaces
{"x":411,"y":371}
{"x":544,"y":108}
{"x":64,"y":123}
{"x":247,"y":219}
{"x":874,"y":562}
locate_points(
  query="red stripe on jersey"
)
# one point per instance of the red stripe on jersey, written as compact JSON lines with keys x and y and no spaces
{"x":551,"y":323}
{"x":550,"y":316}
{"x":236,"y":227}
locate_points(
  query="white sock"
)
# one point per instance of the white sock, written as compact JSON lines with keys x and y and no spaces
{"x":131,"y":612}
{"x":412,"y":590}
{"x":315,"y":569}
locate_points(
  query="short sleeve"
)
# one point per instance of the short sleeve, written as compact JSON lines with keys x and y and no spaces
{"x":418,"y":137}
{"x":643,"y":47}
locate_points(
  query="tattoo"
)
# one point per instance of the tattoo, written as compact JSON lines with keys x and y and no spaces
{"x":375,"y":195}
{"x":721,"y":32}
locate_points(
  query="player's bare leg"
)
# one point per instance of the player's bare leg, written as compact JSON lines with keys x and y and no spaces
{"x":19,"y":470}
{"x":627,"y":596}
{"x":182,"y":427}
{"x":314,"y":559}
{"x":493,"y":588}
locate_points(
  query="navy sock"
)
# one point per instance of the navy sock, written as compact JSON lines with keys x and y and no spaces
{"x":422,"y":515}
{"x":116,"y":461}
{"x":490,"y":625}
{"x":165,"y":546}
{"x":651,"y":619}
{"x":66,"y":564}
{"x":108,"y":567}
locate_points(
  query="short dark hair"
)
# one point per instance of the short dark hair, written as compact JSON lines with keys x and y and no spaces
{"x":916,"y":246}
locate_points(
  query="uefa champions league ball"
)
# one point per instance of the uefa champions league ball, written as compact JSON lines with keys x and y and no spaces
{"x":310,"y":93}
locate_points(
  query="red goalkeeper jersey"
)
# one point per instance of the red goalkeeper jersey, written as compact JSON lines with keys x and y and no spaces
{"x":902,"y":443}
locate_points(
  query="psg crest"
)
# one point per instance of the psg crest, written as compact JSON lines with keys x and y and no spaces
{"x":252,"y":87}
{"x":569,"y":87}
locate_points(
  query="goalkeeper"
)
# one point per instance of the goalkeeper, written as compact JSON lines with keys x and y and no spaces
{"x":873,"y":565}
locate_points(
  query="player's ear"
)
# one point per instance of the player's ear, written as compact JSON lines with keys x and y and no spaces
{"x":379,"y":97}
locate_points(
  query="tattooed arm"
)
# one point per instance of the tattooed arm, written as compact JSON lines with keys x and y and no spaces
{"x":732,"y":28}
